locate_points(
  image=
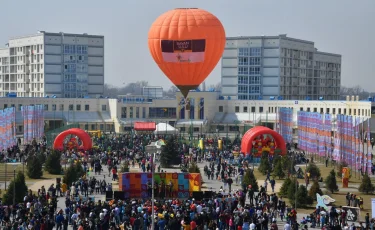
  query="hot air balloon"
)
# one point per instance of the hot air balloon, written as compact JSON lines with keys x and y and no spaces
{"x":186,"y":43}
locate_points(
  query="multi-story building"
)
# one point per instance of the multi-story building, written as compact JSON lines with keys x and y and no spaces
{"x":47,"y":64}
{"x":278,"y":66}
{"x":209,"y":113}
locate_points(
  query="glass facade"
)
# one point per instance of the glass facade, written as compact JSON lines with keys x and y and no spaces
{"x":75,"y":71}
{"x":249,"y":73}
{"x":162,"y":112}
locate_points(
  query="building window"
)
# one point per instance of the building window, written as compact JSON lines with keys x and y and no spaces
{"x":123,"y":112}
{"x":162,"y":112}
{"x":243,"y":80}
{"x":344,"y":111}
{"x":255,"y":61}
{"x":308,"y":109}
{"x":334,"y":110}
{"x":20,"y":106}
{"x":339,"y":111}
{"x":243,"y":61}
{"x":261,"y":109}
{"x":131,"y":112}
{"x":221,"y":109}
{"x":86,"y":127}
{"x":242,"y":89}
{"x":87,"y":107}
{"x":61,"y":107}
{"x":243,"y":70}
{"x":196,"y":129}
{"x":255,"y":52}
{"x":78,"y":107}
{"x":301,"y":109}
{"x":143,"y":112}
{"x":136,"y":112}
{"x":220,"y":128}
{"x":321,"y":110}
{"x":245,"y":109}
{"x":71,"y":107}
{"x":242,"y":97}
{"x":253,"y":109}
{"x":243,"y":52}
{"x":104,"y":107}
{"x":93,"y":127}
{"x":327,"y":110}
{"x":233,"y":128}
{"x":236,"y":109}
{"x":182,"y":129}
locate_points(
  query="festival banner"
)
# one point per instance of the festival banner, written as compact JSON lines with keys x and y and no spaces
{"x":369,"y":148}
{"x":337,"y":140}
{"x":286,"y":123}
{"x":301,"y":130}
{"x":361,"y":148}
{"x":327,"y":132}
{"x":357,"y":143}
{"x":321,"y":132}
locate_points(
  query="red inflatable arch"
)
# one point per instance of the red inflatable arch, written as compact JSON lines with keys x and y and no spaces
{"x":85,"y":138}
{"x":251,"y":134}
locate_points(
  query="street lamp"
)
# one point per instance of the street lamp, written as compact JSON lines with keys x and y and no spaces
{"x":253,"y":151}
{"x":14,"y":185}
{"x":152,"y":192}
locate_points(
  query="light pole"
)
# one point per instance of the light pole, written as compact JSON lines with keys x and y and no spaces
{"x":253,"y":151}
{"x":14,"y":185}
{"x":152,"y":192}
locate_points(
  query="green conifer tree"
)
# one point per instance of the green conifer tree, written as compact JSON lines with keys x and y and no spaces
{"x":331,"y":183}
{"x":366,"y":185}
{"x":20,"y":191}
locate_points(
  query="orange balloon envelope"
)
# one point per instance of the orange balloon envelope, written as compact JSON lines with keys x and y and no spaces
{"x":186,"y":43}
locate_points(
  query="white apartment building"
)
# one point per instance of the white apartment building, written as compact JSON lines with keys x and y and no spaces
{"x":47,"y":64}
{"x":278,"y":66}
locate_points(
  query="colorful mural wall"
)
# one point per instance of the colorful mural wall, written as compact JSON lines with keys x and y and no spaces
{"x":137,"y":184}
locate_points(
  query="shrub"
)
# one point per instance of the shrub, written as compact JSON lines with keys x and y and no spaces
{"x":193,"y":168}
{"x":285,"y":186}
{"x":366,"y":185}
{"x":313,"y":170}
{"x":249,"y":179}
{"x":34,"y":167}
{"x":331,"y":183}
{"x":21,"y":190}
{"x":303,"y":199}
{"x":53,"y":164}
{"x":264,"y":165}
{"x":315,"y":188}
{"x":169,"y":154}
{"x":73,"y":173}
{"x":278,"y":170}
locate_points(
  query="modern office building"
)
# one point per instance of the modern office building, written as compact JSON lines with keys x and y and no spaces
{"x":278,"y":66}
{"x":47,"y":64}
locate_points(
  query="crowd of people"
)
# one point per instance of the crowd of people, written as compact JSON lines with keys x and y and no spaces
{"x":229,"y":207}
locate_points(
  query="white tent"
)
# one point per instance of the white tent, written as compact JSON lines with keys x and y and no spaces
{"x":164,"y":128}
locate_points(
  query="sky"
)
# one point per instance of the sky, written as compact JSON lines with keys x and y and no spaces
{"x":344,"y":27}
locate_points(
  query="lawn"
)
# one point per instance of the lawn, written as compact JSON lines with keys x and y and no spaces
{"x":339,"y":196}
{"x":8,"y":176}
